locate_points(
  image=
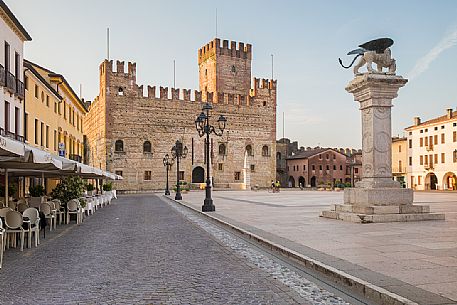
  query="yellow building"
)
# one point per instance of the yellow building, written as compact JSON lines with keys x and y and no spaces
{"x":54,"y":114}
{"x":399,"y":159}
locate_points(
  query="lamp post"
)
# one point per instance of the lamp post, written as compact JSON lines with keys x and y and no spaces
{"x":204,"y":128}
{"x":167,"y":162}
{"x":178,"y":152}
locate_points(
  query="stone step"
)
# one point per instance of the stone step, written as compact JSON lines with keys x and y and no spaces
{"x":378,"y":218}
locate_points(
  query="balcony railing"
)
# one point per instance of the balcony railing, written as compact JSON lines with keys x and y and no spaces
{"x":2,"y":76}
{"x":429,"y":147}
{"x":11,"y":135}
{"x":428,"y":166}
{"x":398,"y":170}
{"x":10,"y":82}
{"x":20,"y":90}
{"x":75,"y":157}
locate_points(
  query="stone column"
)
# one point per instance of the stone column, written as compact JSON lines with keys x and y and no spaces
{"x":377,"y":198}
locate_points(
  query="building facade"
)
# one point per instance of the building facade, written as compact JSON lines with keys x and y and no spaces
{"x":399,"y":159}
{"x":129,"y":132}
{"x":54,"y":114}
{"x":432,"y":153}
{"x":12,"y":35}
{"x":315,"y":167}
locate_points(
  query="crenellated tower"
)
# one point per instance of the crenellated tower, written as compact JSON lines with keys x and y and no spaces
{"x":225,"y":68}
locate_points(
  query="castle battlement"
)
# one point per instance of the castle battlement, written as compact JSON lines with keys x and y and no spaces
{"x":120,"y":65}
{"x":264,"y":83}
{"x":214,"y":47}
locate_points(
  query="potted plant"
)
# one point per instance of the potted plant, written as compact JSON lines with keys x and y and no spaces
{"x":107,"y":188}
{"x":90,"y":189}
{"x":69,"y":188}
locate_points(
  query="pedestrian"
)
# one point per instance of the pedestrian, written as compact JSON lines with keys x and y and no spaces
{"x":278,"y":185}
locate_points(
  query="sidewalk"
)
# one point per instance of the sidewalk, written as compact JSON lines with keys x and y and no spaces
{"x":417,"y":260}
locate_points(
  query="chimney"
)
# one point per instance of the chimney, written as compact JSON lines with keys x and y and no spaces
{"x":417,"y":121}
{"x":449,"y":113}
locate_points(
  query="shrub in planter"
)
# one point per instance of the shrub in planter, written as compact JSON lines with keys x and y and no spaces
{"x":108,"y":187}
{"x":90,"y":187}
{"x":12,"y":189}
{"x":69,"y":188}
{"x":82,"y":202}
{"x":36,"y":191}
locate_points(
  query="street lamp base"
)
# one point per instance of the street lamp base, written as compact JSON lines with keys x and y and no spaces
{"x":167,"y":192}
{"x":208,"y":205}
{"x":178,"y":196}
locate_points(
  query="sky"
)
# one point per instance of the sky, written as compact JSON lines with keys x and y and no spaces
{"x":305,"y":37}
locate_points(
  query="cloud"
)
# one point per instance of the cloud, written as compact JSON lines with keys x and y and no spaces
{"x":424,"y":62}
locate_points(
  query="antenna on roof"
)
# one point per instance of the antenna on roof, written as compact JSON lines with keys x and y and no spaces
{"x":107,"y":43}
{"x":216,"y":22}
{"x":272,"y":66}
{"x":80,"y":91}
{"x":174,"y":74}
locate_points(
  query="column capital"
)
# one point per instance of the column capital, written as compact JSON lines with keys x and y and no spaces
{"x":378,"y":89}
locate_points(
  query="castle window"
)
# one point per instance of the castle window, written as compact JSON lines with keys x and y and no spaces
{"x":252,"y":168}
{"x":119,"y":173}
{"x":265,"y":151}
{"x":237,"y":176}
{"x":222,"y":149}
{"x":206,"y":72}
{"x":233,"y":69}
{"x":220,"y":166}
{"x":249,"y":150}
{"x":147,"y":175}
{"x":119,"y":146}
{"x":264,"y":103}
{"x":147,"y":147}
{"x":278,"y":155}
{"x":120,"y":91}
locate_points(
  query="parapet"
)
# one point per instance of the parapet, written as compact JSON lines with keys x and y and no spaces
{"x":108,"y":67}
{"x":214,"y":47}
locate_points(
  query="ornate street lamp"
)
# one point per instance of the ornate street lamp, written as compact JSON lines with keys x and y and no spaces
{"x":204,"y":128}
{"x":178,"y":152}
{"x":168,"y":162}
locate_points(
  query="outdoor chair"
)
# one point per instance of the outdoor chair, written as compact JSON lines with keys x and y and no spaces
{"x":2,"y":241}
{"x":13,"y":222}
{"x":33,"y":225}
{"x":12,"y":205}
{"x":57,"y":209}
{"x":4,"y":211}
{"x":47,"y":211}
{"x":90,"y":205}
{"x":22,"y":206}
{"x":35,"y":202}
{"x":73,"y":207}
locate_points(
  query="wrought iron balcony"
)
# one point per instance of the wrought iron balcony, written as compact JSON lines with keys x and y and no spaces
{"x":398,"y":170}
{"x":20,"y":90}
{"x":10,"y":82}
{"x":428,"y":166}
{"x":2,"y":76}
{"x":75,"y":157}
{"x":429,"y":147}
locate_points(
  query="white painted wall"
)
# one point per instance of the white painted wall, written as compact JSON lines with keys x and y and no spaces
{"x":440,"y":169}
{"x":16,"y":46}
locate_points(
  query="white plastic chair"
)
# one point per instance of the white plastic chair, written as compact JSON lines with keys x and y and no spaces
{"x":22,"y":206}
{"x":13,"y":222}
{"x":34,"y":225}
{"x":2,"y":240}
{"x":57,"y":209}
{"x":4,"y":211}
{"x":73,"y":207}
{"x":47,"y":211}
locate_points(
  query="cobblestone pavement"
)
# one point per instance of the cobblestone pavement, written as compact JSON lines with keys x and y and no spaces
{"x":140,"y":250}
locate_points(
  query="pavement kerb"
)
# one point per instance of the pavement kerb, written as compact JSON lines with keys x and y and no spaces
{"x":370,"y":291}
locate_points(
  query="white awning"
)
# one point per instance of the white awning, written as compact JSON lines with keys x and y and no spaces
{"x":11,"y":148}
{"x":33,"y":159}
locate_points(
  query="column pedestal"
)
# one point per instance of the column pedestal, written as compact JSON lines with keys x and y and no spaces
{"x":377,"y":198}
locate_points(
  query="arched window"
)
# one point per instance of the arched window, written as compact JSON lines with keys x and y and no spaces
{"x":249,"y":150}
{"x":222,"y":149}
{"x":265,"y":151}
{"x":147,"y":147}
{"x":119,"y":146}
{"x":120,"y":91}
{"x":278,"y":155}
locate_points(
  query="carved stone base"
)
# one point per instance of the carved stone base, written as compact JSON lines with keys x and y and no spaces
{"x":363,"y":205}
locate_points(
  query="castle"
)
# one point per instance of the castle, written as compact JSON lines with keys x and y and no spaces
{"x":129,"y":132}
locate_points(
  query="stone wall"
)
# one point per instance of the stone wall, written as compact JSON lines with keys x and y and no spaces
{"x":122,"y":112}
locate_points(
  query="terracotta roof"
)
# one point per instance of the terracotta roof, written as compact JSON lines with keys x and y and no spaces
{"x":53,"y":74}
{"x":309,"y":153}
{"x":38,"y":75}
{"x":13,"y":18}
{"x":440,"y":119}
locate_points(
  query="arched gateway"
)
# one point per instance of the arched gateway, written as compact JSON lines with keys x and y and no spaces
{"x":198,"y":175}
